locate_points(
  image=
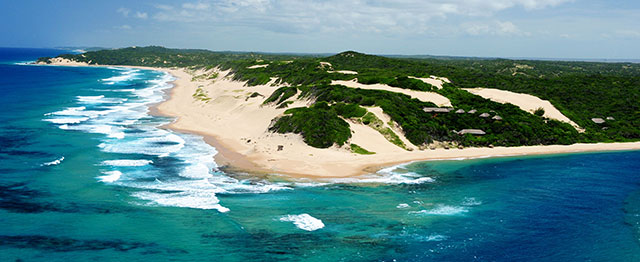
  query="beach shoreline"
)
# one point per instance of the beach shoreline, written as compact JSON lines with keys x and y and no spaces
{"x":236,"y":123}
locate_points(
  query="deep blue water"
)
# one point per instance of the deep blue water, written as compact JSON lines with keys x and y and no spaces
{"x":86,"y":174}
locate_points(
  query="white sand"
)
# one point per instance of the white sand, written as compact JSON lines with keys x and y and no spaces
{"x":525,"y":102}
{"x":64,"y":62}
{"x":232,"y":121}
{"x":433,"y":80}
{"x":432,"y":97}
{"x":257,"y":66}
{"x":237,"y":126}
{"x":386,"y":119}
{"x":346,"y":72}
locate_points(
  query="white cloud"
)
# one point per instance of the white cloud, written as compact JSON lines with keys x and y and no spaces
{"x":508,"y":28}
{"x":539,"y":4}
{"x":196,"y":6}
{"x":123,"y":11}
{"x":625,"y":33}
{"x":391,"y":16}
{"x":142,"y":15}
{"x":501,"y":28}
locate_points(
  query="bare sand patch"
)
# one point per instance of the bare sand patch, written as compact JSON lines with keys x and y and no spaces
{"x":525,"y":102}
{"x":432,"y":97}
{"x":237,"y":125}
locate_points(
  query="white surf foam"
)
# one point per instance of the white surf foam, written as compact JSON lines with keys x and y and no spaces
{"x":183,"y":175}
{"x":126,"y":75}
{"x":304,"y":221}
{"x":158,"y":146}
{"x":199,"y":200}
{"x":80,"y":111}
{"x":100,"y":99}
{"x":387,"y":178}
{"x":397,"y":174}
{"x":66,"y":120}
{"x":110,"y":176}
{"x":126,"y":162}
{"x":471,"y":201}
{"x":403,"y":205}
{"x":54,"y":162}
{"x":443,"y":210}
{"x":435,"y":237}
{"x":69,"y":111}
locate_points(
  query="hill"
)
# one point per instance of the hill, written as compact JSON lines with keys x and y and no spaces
{"x":579,"y":90}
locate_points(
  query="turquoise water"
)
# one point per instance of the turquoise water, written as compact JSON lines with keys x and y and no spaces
{"x":86,"y":174}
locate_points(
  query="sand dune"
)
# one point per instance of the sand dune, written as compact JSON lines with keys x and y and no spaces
{"x":433,"y":80}
{"x":257,"y":66}
{"x":346,"y":72}
{"x":526,"y":102}
{"x":432,"y":97}
{"x":236,"y":125}
{"x":386,"y":119}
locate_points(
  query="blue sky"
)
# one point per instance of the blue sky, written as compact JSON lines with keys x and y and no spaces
{"x":495,"y":28}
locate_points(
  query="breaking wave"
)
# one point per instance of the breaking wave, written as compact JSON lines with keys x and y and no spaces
{"x":54,"y":162}
{"x":164,"y":168}
{"x":304,"y":221}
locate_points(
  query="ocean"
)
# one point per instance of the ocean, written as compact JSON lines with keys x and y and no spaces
{"x":87,"y":174}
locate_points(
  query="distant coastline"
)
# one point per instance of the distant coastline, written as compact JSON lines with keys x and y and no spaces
{"x":237,"y":126}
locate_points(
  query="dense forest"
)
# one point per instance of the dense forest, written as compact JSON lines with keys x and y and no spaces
{"x":580,"y":90}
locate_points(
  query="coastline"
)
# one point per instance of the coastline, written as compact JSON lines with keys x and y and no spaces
{"x":236,"y":125}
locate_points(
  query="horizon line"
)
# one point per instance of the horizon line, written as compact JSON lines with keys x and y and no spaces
{"x":423,"y":56}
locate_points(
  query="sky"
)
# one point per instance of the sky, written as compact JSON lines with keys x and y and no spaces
{"x":583,"y":29}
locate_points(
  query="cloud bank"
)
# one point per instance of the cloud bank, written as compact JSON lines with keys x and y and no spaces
{"x":372,"y":16}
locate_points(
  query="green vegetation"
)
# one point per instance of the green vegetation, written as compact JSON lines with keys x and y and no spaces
{"x":205,"y":76}
{"x":201,"y":95}
{"x":285,"y":104}
{"x":319,"y":125}
{"x":539,"y":111}
{"x":281,"y":94}
{"x":359,"y":150}
{"x":349,"y":110}
{"x":374,"y":122}
{"x":399,"y":81}
{"x":580,"y":90}
{"x":46,"y":60}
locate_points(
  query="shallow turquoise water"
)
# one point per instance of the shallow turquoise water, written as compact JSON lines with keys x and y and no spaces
{"x":124,"y":190}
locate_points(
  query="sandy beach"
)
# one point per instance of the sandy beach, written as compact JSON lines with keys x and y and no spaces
{"x":232,"y":118}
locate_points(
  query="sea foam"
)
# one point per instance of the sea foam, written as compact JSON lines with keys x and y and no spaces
{"x":54,"y":162}
{"x":110,"y":176}
{"x":126,"y":75}
{"x":126,"y":162}
{"x":443,"y":210}
{"x":304,"y":221}
{"x":183,"y":173}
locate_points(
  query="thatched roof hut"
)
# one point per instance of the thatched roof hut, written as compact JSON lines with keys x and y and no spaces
{"x":437,"y":109}
{"x":460,"y":111}
{"x":472,"y":111}
{"x":471,"y":131}
{"x":484,"y":115}
{"x":497,"y":117}
{"x":597,"y":120}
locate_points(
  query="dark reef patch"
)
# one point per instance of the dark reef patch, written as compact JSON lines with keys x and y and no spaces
{"x":61,"y":244}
